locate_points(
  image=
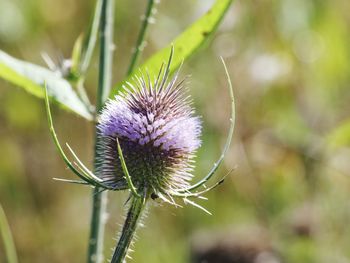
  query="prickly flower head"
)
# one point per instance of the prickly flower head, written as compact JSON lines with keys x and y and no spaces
{"x":155,"y":126}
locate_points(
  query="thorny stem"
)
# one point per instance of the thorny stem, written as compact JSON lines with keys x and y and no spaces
{"x":140,"y":39}
{"x":129,"y":228}
{"x":95,"y":254}
{"x":106,"y":50}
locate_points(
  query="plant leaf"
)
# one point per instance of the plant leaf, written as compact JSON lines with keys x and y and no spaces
{"x":32,"y":78}
{"x":186,"y":43}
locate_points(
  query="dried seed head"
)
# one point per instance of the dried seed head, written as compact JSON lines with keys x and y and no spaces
{"x":158,"y":134}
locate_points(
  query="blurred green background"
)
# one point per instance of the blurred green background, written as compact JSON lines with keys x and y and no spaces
{"x":288,"y":198}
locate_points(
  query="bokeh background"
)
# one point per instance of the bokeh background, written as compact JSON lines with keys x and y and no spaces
{"x":287,"y":199}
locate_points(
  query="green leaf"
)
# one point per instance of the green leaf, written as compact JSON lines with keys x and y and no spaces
{"x":186,"y":43}
{"x":340,"y":136}
{"x":32,"y":78}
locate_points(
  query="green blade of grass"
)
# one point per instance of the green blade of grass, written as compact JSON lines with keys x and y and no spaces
{"x":10,"y":249}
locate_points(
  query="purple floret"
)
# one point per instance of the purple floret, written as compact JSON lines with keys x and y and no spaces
{"x":167,"y":132}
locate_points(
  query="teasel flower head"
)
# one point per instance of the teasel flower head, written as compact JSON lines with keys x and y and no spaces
{"x":148,"y":135}
{"x":158,"y":133}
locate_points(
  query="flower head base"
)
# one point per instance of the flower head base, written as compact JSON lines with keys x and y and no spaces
{"x":158,"y":134}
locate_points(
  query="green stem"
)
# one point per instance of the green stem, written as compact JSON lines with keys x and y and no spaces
{"x":95,"y":254}
{"x":99,"y":203}
{"x":86,"y":53}
{"x":142,"y":34}
{"x":129,"y":228}
{"x":106,"y":53}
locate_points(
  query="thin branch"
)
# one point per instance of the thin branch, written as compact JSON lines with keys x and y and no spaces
{"x":147,"y":18}
{"x":90,"y":40}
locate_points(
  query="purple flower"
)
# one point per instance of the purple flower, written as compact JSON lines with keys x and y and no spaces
{"x":157,"y":131}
